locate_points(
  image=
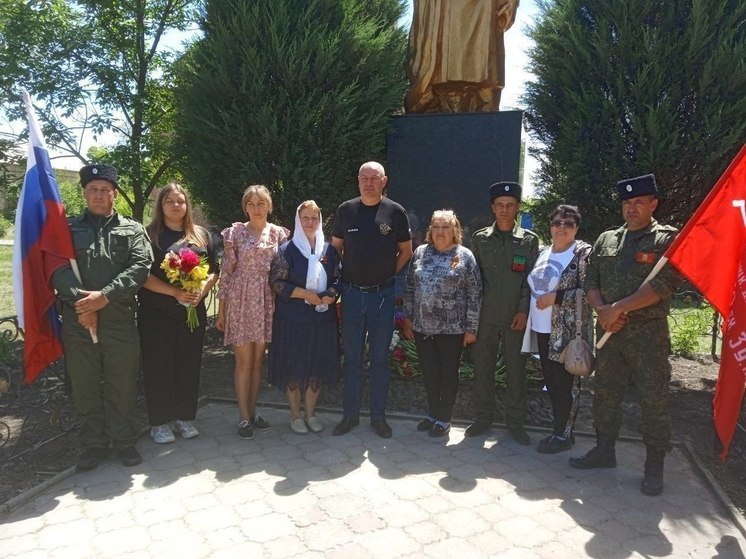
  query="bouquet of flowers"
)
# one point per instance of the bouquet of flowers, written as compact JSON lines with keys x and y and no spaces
{"x":187,"y":270}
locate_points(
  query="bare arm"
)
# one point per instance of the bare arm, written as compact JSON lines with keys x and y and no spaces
{"x":405,"y":253}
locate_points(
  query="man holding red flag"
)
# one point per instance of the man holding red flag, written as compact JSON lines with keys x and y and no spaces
{"x":636,"y":311}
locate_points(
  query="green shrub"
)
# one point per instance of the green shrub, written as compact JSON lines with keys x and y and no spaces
{"x":688,"y":329}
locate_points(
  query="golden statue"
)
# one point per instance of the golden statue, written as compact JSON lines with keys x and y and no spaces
{"x":457,"y":55}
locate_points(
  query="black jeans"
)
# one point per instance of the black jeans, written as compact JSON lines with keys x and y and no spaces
{"x":563,"y":389}
{"x":440,"y":355}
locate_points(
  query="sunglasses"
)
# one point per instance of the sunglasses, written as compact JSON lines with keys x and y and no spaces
{"x":569,"y":224}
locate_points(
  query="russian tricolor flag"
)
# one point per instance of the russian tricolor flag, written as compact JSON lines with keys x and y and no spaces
{"x":42,"y":244}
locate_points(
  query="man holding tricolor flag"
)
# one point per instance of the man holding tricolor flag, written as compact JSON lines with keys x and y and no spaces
{"x":114,"y":256}
{"x":42,"y":245}
{"x":635,"y":308}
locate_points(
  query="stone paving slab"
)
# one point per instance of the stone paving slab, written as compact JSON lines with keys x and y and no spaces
{"x":358,"y":496}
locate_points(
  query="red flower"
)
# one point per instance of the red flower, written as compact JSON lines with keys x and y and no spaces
{"x":189,"y":260}
{"x":173,"y":262}
{"x":399,"y":353}
{"x":407,"y":371}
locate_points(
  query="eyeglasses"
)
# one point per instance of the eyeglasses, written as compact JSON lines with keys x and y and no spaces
{"x":569,"y":224}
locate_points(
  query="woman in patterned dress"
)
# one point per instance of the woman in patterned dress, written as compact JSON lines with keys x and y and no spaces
{"x":246,"y":303}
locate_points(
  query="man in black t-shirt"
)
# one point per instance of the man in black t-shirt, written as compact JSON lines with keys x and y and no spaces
{"x":371,"y":234}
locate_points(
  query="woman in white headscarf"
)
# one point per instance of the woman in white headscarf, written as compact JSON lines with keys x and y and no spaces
{"x":304,"y":356}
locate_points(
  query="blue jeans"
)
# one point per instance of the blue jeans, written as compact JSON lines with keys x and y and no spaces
{"x":371,"y":314}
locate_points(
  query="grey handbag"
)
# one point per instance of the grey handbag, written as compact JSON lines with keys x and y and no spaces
{"x":578,"y":355}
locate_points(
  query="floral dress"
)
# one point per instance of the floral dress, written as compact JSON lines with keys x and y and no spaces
{"x":244,"y":282}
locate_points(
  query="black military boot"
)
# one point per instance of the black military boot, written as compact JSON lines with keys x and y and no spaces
{"x":652,"y":483}
{"x":602,"y":455}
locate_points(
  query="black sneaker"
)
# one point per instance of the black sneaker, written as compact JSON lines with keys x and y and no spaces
{"x":439,"y":430}
{"x":554,"y":444}
{"x":90,"y":458}
{"x":245,"y":430}
{"x":478,"y":428}
{"x":425,"y":425}
{"x":259,"y":423}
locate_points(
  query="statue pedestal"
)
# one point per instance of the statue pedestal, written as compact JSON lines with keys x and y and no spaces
{"x":449,"y":161}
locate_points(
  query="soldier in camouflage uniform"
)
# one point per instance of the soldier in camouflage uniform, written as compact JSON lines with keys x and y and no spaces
{"x":506,"y":254}
{"x":636,"y":313}
{"x":114,"y":257}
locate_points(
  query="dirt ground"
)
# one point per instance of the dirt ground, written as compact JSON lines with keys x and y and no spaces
{"x":692,"y":386}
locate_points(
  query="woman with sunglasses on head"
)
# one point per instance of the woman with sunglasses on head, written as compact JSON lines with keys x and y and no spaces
{"x":555,"y":281}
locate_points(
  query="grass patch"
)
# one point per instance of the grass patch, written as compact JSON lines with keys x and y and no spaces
{"x":7,"y":307}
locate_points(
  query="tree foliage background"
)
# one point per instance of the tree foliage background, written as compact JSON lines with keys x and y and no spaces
{"x":293,"y":94}
{"x":100,"y":65}
{"x":632,"y":87}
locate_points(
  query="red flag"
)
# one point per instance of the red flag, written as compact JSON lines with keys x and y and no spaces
{"x":730,"y":386}
{"x":709,"y":251}
{"x":42,"y":244}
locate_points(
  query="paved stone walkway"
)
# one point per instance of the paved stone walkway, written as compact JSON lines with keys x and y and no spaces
{"x":358,"y":496}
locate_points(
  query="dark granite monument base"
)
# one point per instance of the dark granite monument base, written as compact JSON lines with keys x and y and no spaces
{"x":437,"y":161}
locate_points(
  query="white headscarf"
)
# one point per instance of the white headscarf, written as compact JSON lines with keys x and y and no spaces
{"x":316,"y":275}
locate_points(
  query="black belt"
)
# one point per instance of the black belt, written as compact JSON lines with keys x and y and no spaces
{"x":373,"y":288}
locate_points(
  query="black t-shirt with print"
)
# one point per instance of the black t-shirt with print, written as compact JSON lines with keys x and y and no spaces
{"x":371,"y":235}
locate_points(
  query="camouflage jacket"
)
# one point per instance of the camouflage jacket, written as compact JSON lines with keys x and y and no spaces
{"x":622,"y":259}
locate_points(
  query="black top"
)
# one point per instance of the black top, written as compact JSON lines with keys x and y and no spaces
{"x":172,"y":241}
{"x":288,"y":271}
{"x":371,"y":235}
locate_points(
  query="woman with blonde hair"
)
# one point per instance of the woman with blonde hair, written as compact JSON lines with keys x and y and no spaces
{"x":442,"y":301}
{"x":245,"y":301}
{"x":171,"y":351}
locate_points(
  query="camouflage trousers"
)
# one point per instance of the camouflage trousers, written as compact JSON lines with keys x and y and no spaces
{"x":639,"y":353}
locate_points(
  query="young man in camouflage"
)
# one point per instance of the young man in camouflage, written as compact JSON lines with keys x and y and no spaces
{"x":114,"y":256}
{"x":636,"y":314}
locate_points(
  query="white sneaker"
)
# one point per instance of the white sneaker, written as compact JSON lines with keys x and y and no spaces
{"x":186,"y":429}
{"x":162,"y":434}
{"x":299,"y":426}
{"x":314,"y":424}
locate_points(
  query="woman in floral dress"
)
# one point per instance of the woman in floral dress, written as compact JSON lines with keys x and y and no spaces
{"x":246,"y":303}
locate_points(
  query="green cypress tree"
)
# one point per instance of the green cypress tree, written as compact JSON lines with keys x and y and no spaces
{"x":626,"y":88}
{"x":294,"y":94}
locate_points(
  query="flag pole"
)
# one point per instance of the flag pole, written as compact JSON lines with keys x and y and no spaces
{"x":73,"y":263}
{"x":654,"y":272}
